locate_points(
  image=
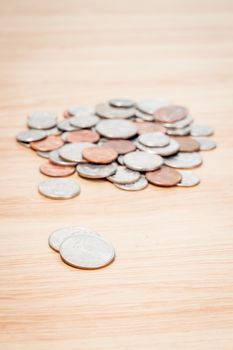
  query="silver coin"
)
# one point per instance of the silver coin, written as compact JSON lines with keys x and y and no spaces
{"x":87,"y":252}
{"x":81,"y":110}
{"x":64,"y":135}
{"x":116,"y":129}
{"x":31,"y":135}
{"x":59,"y":188}
{"x":138,"y":185}
{"x":142,"y":161}
{"x":55,"y":158}
{"x":189,"y":179}
{"x":201,"y":130}
{"x":104,"y":110}
{"x":121,"y":102}
{"x":154,"y":139}
{"x":144,"y":116}
{"x":57,"y":237}
{"x":184,"y":160}
{"x":124,"y":175}
{"x":42,"y":120}
{"x":86,"y":121}
{"x":120,"y":160}
{"x":43,"y":154}
{"x":65,"y":125}
{"x":206,"y":144}
{"x":180,"y":124}
{"x":54,"y":132}
{"x":96,"y":171}
{"x":24,"y":144}
{"x":152,"y":105}
{"x":179,"y":132}
{"x":73,"y":151}
{"x":172,"y":148}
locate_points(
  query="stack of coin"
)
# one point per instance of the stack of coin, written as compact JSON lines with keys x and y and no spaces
{"x":128,"y":143}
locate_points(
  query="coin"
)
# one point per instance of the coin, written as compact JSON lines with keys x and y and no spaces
{"x":116,"y":129}
{"x":41,"y":120}
{"x":142,"y":161}
{"x":104,"y":110}
{"x":179,"y":132}
{"x":124,"y":176}
{"x":96,"y":171}
{"x":30,"y":135}
{"x":100,"y":154}
{"x":49,"y":144}
{"x":121,"y":102}
{"x":154,"y":139}
{"x":145,"y":127}
{"x":152,"y":105}
{"x":138,"y":185}
{"x":65,"y":125}
{"x":170,"y":114}
{"x":120,"y":160}
{"x":55,"y":170}
{"x":84,"y":121}
{"x":73,"y":152}
{"x":205,"y":143}
{"x":82,"y":136}
{"x":59,"y":188}
{"x":55,"y":158}
{"x":53,"y":131}
{"x":81,"y":110}
{"x":164,"y":176}
{"x":189,"y":179}
{"x":180,"y":124}
{"x":66,"y":114}
{"x":58,"y":237}
{"x":121,"y":146}
{"x":170,"y":149}
{"x":187,"y":144}
{"x":144,"y":116}
{"x":87,"y":252}
{"x":45,"y":154}
{"x":201,"y":130}
{"x":184,"y":160}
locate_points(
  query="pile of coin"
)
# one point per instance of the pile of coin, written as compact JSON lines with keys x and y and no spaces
{"x":128,"y":143}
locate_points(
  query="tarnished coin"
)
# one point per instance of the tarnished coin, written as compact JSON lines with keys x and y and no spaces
{"x":188,"y":144}
{"x":183,"y":123}
{"x":96,"y":171}
{"x":104,"y":110}
{"x":80,"y":110}
{"x":116,"y":129}
{"x":59,"y":188}
{"x":55,"y":158}
{"x":144,"y":116}
{"x":124,"y":175}
{"x":43,"y":154}
{"x":152,"y":105}
{"x":179,"y":132}
{"x":100,"y":154}
{"x":172,"y":148}
{"x":189,"y":179}
{"x":154,"y":139}
{"x":55,"y":170}
{"x":142,"y":161}
{"x":87,"y":251}
{"x":42,"y":120}
{"x":31,"y":135}
{"x":58,"y":236}
{"x":201,"y":130}
{"x":82,"y":136}
{"x":205,"y":143}
{"x":65,"y":125}
{"x":138,"y":185}
{"x":145,"y":127}
{"x":121,"y":146}
{"x":49,"y":144}
{"x":84,"y":121}
{"x":184,"y":160}
{"x":121,"y":102}
{"x":73,"y":151}
{"x":164,"y":176}
{"x":171,"y":114}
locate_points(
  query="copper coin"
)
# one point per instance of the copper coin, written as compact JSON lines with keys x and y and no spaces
{"x":187,"y":144}
{"x":145,"y":127}
{"x":82,"y":136}
{"x":66,"y":114}
{"x":100,"y":155}
{"x":164,"y":177}
{"x":49,"y":144}
{"x":121,"y":146}
{"x":171,"y":114}
{"x":54,"y":170}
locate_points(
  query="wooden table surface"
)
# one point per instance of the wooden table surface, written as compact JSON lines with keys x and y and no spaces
{"x":171,"y":286}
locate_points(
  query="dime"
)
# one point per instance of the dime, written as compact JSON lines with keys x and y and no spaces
{"x":121,"y":102}
{"x":87,"y":251}
{"x":49,"y":144}
{"x":142,"y":161}
{"x":30,"y":135}
{"x":145,"y":127}
{"x":135,"y":186}
{"x":41,"y":120}
{"x":55,"y":170}
{"x":154,"y":139}
{"x":104,"y":110}
{"x":100,"y":154}
{"x":184,"y":160}
{"x":96,"y":171}
{"x":183,"y":123}
{"x":82,"y":136}
{"x":205,"y":143}
{"x":59,"y":188}
{"x":43,"y":154}
{"x":179,"y":132}
{"x":116,"y":129}
{"x":168,"y":150}
{"x":188,"y":144}
{"x":201,"y":130}
{"x":124,"y":176}
{"x":73,"y":152}
{"x":80,"y":111}
{"x":164,"y":176}
{"x":121,"y":146}
{"x":65,"y":125}
{"x":84,"y":121}
{"x":144,"y":116}
{"x":55,"y":158}
{"x":171,"y":114}
{"x":189,"y":179}
{"x":150,"y":106}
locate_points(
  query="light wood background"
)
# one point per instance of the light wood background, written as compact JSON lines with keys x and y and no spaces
{"x":171,"y":286}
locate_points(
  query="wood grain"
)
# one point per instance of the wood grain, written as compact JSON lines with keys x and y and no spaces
{"x":171,"y":286}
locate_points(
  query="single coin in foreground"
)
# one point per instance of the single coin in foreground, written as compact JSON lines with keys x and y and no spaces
{"x":96,"y":171}
{"x":49,"y":144}
{"x":189,"y":179}
{"x":87,"y":252}
{"x":124,"y":175}
{"x":142,"y":161}
{"x":59,"y":188}
{"x":55,"y":170}
{"x":121,"y":102}
{"x":206,"y":143}
{"x":138,"y":185}
{"x":30,"y":135}
{"x":187,"y":144}
{"x":116,"y":128}
{"x":145,"y":127}
{"x":82,"y":136}
{"x":184,"y":160}
{"x":164,"y":176}
{"x":154,"y":139}
{"x":201,"y":130}
{"x":100,"y":154}
{"x":121,"y":146}
{"x":171,"y":114}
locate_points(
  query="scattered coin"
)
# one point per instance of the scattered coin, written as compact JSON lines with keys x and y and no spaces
{"x":171,"y":114}
{"x":42,"y":120}
{"x":59,"y":188}
{"x":142,"y":161}
{"x":188,"y":144}
{"x":121,"y":102}
{"x":96,"y":171}
{"x":74,"y":151}
{"x":135,"y":186}
{"x":205,"y":143}
{"x":116,"y":129}
{"x":121,"y":146}
{"x":201,"y":130}
{"x":150,"y":106}
{"x":49,"y":144}
{"x":30,"y":135}
{"x":104,"y":110}
{"x":55,"y":158}
{"x":145,"y":127}
{"x":124,"y":175}
{"x":189,"y":179}
{"x":184,"y":160}
{"x":84,"y":121}
{"x":164,"y":176}
{"x":100,"y":155}
{"x":82,"y":136}
{"x":55,"y":170}
{"x":154,"y":139}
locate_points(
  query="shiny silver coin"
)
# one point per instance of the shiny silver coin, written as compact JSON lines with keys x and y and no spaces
{"x":142,"y":161}
{"x":151,"y":105}
{"x":180,"y":124}
{"x":172,"y":148}
{"x":144,"y":116}
{"x":206,"y":144}
{"x":31,"y":135}
{"x":53,"y":132}
{"x":201,"y":130}
{"x":65,"y":125}
{"x":73,"y":151}
{"x":124,"y":175}
{"x":121,"y":102}
{"x":42,"y":120}
{"x":96,"y":171}
{"x":24,"y":144}
{"x":120,"y":160}
{"x":138,"y":185}
{"x":184,"y":160}
{"x":59,"y":188}
{"x":104,"y":110}
{"x":154,"y":139}
{"x":81,"y":111}
{"x":179,"y":132}
{"x":189,"y":179}
{"x":43,"y":154}
{"x":87,"y":252}
{"x":55,"y":158}
{"x":86,"y":121}
{"x":116,"y":129}
{"x":57,"y":237}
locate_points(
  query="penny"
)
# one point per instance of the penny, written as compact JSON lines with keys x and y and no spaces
{"x":184,"y":160}
{"x":81,"y":111}
{"x":65,"y":125}
{"x":82,"y":136}
{"x":144,"y":116}
{"x":96,"y":171}
{"x":100,"y":154}
{"x":201,"y":130}
{"x":116,"y":129}
{"x":45,"y":154}
{"x":142,"y":161}
{"x":179,"y":132}
{"x":121,"y":102}
{"x":49,"y":144}
{"x":41,"y":120}
{"x":124,"y":176}
{"x":121,"y":146}
{"x":55,"y":170}
{"x":154,"y":139}
{"x":73,"y":151}
{"x":87,"y":251}
{"x":189,"y":179}
{"x":104,"y":110}
{"x":183,"y":123}
{"x":150,"y":106}
{"x":30,"y":135}
{"x":84,"y":121}
{"x":55,"y":158}
{"x":205,"y":143}
{"x":138,"y":185}
{"x":172,"y":148}
{"x":188,"y":144}
{"x":164,"y":176}
{"x":171,"y":114}
{"x":59,"y":188}
{"x":145,"y":127}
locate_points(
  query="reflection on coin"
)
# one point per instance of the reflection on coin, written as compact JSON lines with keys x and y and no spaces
{"x":201,"y":130}
{"x":31,"y":135}
{"x":87,"y":251}
{"x":189,"y":179}
{"x":80,"y":110}
{"x":138,"y":185}
{"x":43,"y":154}
{"x":154,"y":139}
{"x":49,"y":144}
{"x":104,"y":110}
{"x":55,"y":170}
{"x":142,"y":161}
{"x":96,"y":171}
{"x":86,"y":121}
{"x":121,"y":102}
{"x":82,"y":136}
{"x":100,"y":154}
{"x":124,"y":176}
{"x":145,"y":127}
{"x":116,"y":129}
{"x":168,"y":150}
{"x":41,"y":120}
{"x":121,"y":146}
{"x":171,"y":114}
{"x":184,"y":160}
{"x":150,"y":106}
{"x":59,"y":188}
{"x":183,"y":123}
{"x":206,"y":144}
{"x":179,"y":132}
{"x":164,"y":176}
{"x":73,"y":151}
{"x":188,"y":144}
{"x":55,"y":158}
{"x":65,"y":125}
